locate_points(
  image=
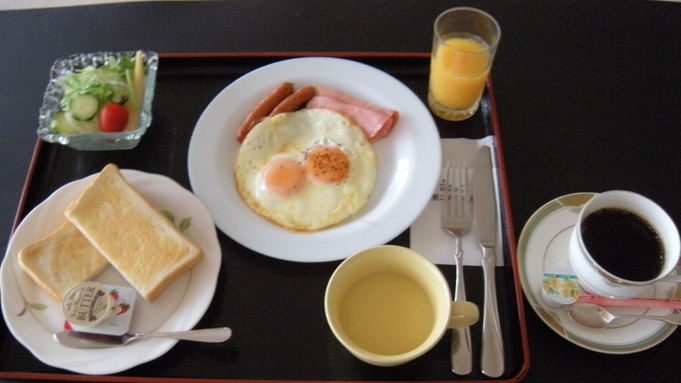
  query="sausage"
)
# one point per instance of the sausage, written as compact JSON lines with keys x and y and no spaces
{"x":294,"y":101}
{"x":264,"y":107}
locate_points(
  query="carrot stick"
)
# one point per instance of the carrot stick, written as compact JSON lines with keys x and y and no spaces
{"x":137,"y":99}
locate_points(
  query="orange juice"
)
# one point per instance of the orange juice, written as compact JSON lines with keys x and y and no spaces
{"x":458,"y":72}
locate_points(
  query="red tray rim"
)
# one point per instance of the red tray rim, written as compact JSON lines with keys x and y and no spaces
{"x":503,"y":181}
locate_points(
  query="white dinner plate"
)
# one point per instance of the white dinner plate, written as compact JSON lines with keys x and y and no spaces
{"x":408,"y":161}
{"x":33,"y":316}
{"x":543,"y":246}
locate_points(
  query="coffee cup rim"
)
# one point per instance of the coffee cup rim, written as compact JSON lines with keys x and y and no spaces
{"x":674,"y":240}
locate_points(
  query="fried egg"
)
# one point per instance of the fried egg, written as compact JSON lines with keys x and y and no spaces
{"x":306,"y":170}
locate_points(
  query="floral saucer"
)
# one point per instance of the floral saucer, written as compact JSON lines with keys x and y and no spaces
{"x":543,"y":246}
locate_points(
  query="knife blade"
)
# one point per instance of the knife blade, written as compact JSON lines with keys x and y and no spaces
{"x":485,"y":221}
{"x":77,"y":339}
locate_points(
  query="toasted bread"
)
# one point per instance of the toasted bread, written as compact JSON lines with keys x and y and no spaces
{"x":134,"y":236}
{"x":62,"y":260}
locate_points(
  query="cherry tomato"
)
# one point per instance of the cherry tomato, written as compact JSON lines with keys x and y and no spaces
{"x":113,"y":118}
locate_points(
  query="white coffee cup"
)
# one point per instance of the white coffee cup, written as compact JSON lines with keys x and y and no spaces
{"x":597,"y":278}
{"x":388,"y":305}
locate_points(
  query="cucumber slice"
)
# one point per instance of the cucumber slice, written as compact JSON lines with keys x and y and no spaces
{"x":90,"y":126}
{"x":84,"y":106}
{"x":60,"y":125}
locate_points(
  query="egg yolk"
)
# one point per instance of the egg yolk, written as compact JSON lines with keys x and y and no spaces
{"x":327,"y":164}
{"x":284,"y":177}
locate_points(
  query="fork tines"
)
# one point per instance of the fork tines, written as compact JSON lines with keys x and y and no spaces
{"x":455,"y":190}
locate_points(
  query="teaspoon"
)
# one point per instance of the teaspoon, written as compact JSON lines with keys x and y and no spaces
{"x":595,"y":316}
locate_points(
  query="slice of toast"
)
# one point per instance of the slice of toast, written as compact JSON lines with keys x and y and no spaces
{"x":62,"y":260}
{"x":134,"y":236}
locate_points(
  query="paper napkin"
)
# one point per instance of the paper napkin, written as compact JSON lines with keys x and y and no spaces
{"x":426,"y":235}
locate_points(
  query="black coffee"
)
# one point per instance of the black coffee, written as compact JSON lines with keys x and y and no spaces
{"x":623,"y":243}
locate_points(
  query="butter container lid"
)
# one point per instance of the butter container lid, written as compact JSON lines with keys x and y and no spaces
{"x":109,"y":313}
{"x":559,"y":287}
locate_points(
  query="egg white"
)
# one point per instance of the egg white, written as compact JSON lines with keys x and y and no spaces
{"x":316,"y":205}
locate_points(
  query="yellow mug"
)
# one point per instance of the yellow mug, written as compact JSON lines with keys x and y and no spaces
{"x":389,"y":305}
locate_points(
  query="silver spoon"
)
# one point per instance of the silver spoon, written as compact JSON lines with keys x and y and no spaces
{"x":595,"y":316}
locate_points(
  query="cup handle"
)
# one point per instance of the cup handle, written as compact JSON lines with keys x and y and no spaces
{"x":463,"y":314}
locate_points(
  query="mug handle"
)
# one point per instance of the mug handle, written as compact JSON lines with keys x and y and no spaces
{"x":463,"y":314}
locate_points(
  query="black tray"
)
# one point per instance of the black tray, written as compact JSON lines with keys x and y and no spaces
{"x":274,"y":307}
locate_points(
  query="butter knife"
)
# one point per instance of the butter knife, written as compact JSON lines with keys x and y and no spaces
{"x":77,"y":339}
{"x":485,"y":221}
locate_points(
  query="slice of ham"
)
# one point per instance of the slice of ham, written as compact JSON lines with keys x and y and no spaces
{"x":376,"y":121}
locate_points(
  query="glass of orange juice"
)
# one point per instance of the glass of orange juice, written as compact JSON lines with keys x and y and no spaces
{"x":464,"y":43}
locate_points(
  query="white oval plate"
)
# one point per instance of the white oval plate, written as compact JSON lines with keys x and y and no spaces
{"x":542,"y":246}
{"x":33,"y":316}
{"x":408,"y":161}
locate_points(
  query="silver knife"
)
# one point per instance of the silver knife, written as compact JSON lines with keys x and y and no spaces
{"x":77,"y":339}
{"x":485,"y":216}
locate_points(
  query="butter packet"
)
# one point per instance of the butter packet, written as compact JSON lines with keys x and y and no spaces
{"x":117,"y":324}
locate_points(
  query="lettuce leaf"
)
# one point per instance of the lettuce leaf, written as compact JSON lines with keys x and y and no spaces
{"x":107,"y":83}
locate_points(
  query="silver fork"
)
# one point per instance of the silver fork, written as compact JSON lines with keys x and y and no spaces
{"x":455,"y":215}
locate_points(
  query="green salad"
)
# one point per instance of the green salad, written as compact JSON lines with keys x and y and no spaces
{"x":101,"y":99}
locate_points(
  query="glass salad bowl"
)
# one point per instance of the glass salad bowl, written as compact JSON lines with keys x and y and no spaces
{"x":76,"y":123}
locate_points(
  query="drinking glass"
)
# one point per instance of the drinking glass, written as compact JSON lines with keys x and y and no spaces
{"x":465,"y":41}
